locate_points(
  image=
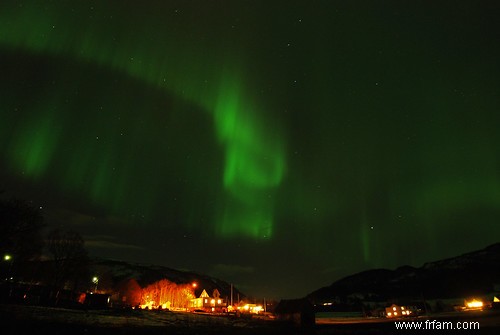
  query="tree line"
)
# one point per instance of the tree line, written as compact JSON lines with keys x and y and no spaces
{"x":24,"y":247}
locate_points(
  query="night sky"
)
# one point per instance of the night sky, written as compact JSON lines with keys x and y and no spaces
{"x":278,"y":145}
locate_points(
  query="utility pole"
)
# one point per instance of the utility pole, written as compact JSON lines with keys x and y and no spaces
{"x":231,"y":294}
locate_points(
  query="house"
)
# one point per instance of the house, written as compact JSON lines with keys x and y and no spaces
{"x":209,"y":303}
{"x":300,"y":312}
{"x":250,"y":308}
{"x":396,"y":311}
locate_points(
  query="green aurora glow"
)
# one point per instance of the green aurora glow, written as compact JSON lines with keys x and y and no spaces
{"x":254,"y":158}
{"x":342,"y":136}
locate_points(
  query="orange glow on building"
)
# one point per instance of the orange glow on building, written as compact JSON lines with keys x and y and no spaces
{"x":474,"y":304}
{"x":209,"y":303}
{"x":251,"y":308}
{"x":395,"y":311}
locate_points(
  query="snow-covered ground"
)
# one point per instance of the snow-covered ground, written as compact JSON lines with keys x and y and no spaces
{"x":16,"y":317}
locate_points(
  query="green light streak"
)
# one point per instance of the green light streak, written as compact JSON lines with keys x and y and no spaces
{"x":254,"y":153}
{"x":34,"y":146}
{"x":254,"y":164}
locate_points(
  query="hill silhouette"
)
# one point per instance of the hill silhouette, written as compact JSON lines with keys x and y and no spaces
{"x":470,"y":274}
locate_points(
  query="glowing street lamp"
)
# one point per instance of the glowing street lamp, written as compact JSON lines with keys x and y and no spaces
{"x":8,"y":258}
{"x":95,"y":280}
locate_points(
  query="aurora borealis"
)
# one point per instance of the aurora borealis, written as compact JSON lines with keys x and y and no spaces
{"x":279,"y":145}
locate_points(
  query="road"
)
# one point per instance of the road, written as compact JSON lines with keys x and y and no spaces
{"x":487,"y":321}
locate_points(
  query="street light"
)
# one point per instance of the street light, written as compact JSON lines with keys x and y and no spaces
{"x":8,"y":258}
{"x":95,"y":280}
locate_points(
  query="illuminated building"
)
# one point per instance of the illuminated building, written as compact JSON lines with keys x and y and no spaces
{"x":209,"y":303}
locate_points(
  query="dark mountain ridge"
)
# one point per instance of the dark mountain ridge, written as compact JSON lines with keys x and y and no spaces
{"x":473,"y":273}
{"x":109,"y":276}
{"x":111,"y":273}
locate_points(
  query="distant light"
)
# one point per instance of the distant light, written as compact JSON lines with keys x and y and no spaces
{"x":7,"y":257}
{"x":194,"y":284}
{"x":474,"y":304}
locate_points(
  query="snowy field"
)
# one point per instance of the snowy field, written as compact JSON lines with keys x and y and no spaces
{"x":19,"y":319}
